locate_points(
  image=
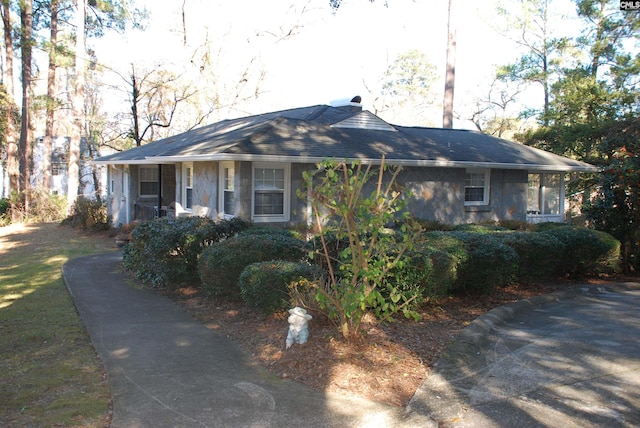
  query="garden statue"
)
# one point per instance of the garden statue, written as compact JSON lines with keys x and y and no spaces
{"x":298,"y":326}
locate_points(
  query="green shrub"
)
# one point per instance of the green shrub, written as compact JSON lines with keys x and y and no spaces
{"x":432,"y":225}
{"x":538,"y":254}
{"x":5,"y":214}
{"x":164,"y":252}
{"x":221,"y":264}
{"x":478,"y":262}
{"x":265,"y":285}
{"x":444,"y":273}
{"x":514,"y":225}
{"x":271,"y":231}
{"x":547,"y":225}
{"x":586,"y":251}
{"x":5,"y":204}
{"x":420,"y":276}
{"x":88,"y":214}
{"x":333,"y":246}
{"x":478,"y":228}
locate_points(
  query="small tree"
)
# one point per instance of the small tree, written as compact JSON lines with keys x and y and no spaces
{"x":361,"y":279}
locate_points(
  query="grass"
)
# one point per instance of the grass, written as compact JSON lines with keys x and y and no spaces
{"x":49,"y":372}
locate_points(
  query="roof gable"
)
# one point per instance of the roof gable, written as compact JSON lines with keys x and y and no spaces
{"x":364,"y":120}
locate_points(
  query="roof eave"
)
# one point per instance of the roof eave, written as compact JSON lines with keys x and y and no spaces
{"x":440,"y":163}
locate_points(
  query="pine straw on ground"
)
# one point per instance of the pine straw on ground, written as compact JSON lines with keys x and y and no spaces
{"x":387,"y":365}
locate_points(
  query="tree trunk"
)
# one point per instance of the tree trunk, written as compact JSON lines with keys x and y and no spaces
{"x":135,"y":97}
{"x":450,"y":76}
{"x":51,"y":96}
{"x":78,"y":107}
{"x":13,"y":169}
{"x":24,"y":145}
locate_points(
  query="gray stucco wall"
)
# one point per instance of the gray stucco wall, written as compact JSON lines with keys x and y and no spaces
{"x":438,"y":195}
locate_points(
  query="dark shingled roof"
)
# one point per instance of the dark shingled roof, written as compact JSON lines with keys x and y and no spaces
{"x":310,"y":134}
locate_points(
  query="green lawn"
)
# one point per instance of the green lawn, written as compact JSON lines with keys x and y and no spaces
{"x":49,"y":372}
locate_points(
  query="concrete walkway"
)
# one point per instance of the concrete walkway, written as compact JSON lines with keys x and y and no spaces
{"x":570,"y":359}
{"x":167,"y":370}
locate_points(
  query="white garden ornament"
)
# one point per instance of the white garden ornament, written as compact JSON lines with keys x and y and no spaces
{"x":298,"y":326}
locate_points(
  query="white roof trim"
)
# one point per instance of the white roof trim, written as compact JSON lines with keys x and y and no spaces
{"x":438,"y":163}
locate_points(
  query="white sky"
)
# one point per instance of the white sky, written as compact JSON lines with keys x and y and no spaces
{"x":331,"y":55}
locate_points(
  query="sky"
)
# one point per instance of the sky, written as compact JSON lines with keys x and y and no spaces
{"x":328,"y":56}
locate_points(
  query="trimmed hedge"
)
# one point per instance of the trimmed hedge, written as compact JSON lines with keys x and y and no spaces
{"x":539,"y":254}
{"x":221,"y":264}
{"x":271,"y":231}
{"x":586,"y":251}
{"x":164,"y":252}
{"x":265,"y":285}
{"x":478,"y":228}
{"x":479,"y":262}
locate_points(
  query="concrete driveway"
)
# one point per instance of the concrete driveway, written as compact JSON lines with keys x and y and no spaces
{"x":570,"y":359}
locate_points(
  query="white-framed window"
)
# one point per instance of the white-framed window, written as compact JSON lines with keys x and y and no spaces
{"x":148,"y":182}
{"x":226,"y":202}
{"x":545,"y":194}
{"x":476,"y":187}
{"x":187,"y":182}
{"x":58,"y":169}
{"x":271,"y":192}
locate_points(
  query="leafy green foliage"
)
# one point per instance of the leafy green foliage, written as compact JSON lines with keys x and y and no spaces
{"x":221,"y":264}
{"x":478,"y":228}
{"x":615,"y":208}
{"x":539,"y":254}
{"x":423,"y":275}
{"x":483,"y":262}
{"x":592,"y":116}
{"x":271,"y":231}
{"x":586,"y":251}
{"x":266,"y":285}
{"x":410,"y":75}
{"x":357,"y":205}
{"x":164,"y":252}
{"x":5,"y":213}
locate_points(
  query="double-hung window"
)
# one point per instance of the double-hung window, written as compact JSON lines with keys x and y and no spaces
{"x":270,"y":192}
{"x":148,"y":183}
{"x":187,"y":178}
{"x":227,"y":195}
{"x":476,"y":187}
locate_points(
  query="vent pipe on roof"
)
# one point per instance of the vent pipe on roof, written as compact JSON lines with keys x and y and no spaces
{"x":354,"y":103}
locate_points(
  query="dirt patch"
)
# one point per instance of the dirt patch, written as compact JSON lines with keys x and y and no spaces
{"x":386,"y":366}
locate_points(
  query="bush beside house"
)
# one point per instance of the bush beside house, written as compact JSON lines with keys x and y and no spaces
{"x":164,"y":252}
{"x":481,"y":262}
{"x":538,"y":254}
{"x":266,"y":285}
{"x":585,"y":252}
{"x":221,"y":264}
{"x":260,"y":265}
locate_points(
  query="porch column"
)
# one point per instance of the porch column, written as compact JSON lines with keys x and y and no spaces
{"x":158,"y":212}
